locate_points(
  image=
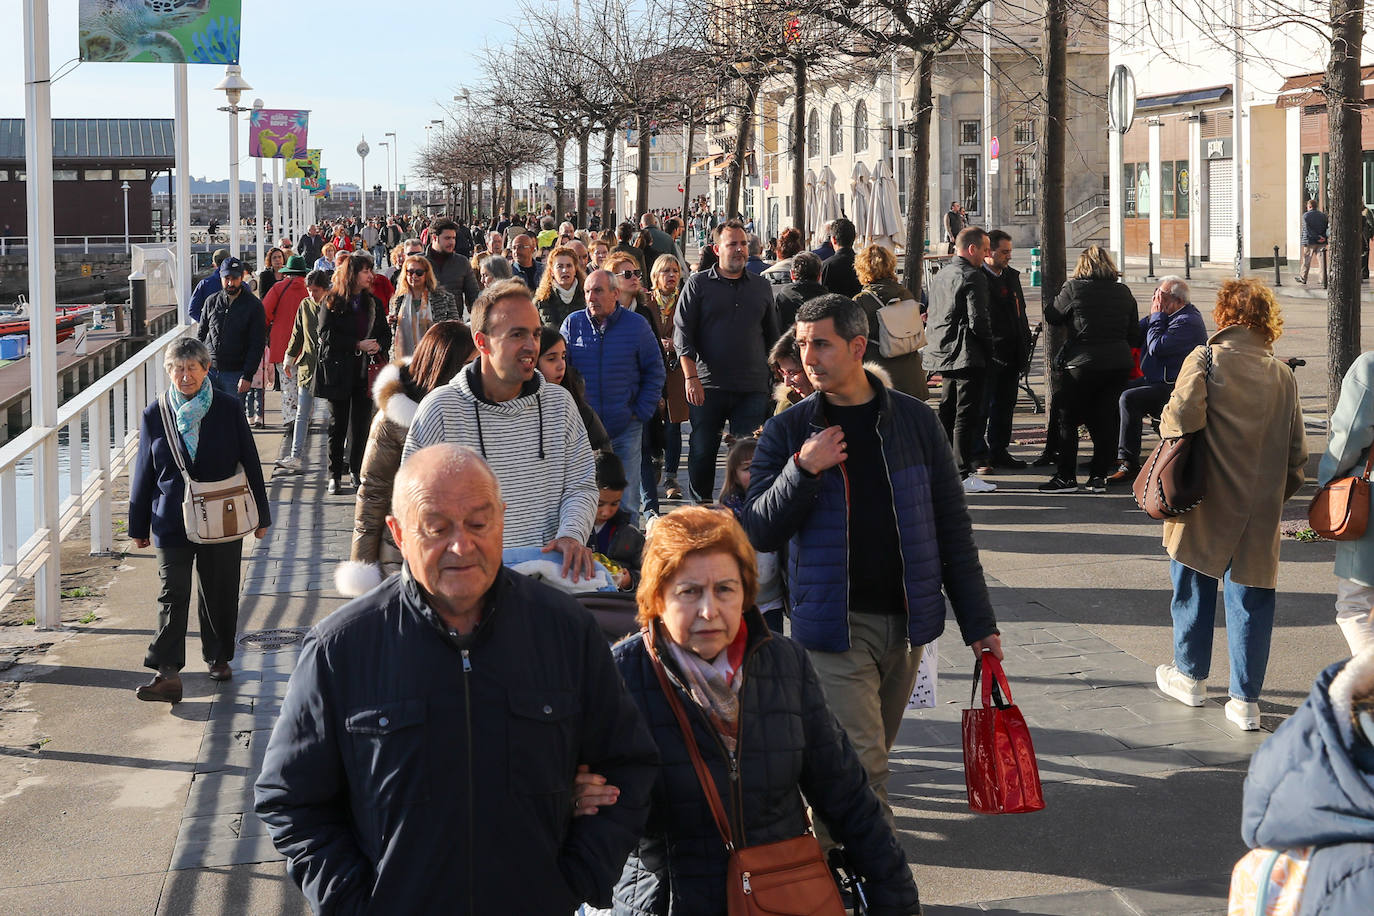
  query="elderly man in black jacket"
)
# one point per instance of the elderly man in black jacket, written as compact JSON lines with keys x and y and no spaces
{"x":234,"y":329}
{"x":426,"y":755}
{"x":960,"y":332}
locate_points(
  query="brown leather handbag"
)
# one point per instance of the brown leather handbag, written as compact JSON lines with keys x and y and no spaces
{"x":1173,"y":479}
{"x":1340,"y":510}
{"x":786,"y":878}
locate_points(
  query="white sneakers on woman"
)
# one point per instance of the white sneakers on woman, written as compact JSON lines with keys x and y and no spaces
{"x":1190,"y":692}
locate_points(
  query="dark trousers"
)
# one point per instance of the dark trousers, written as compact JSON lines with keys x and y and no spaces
{"x":1140,"y":399}
{"x":961,"y":402}
{"x":672,"y":448}
{"x":217,"y":601}
{"x":745,"y":411}
{"x":350,"y":417}
{"x":1089,"y":397}
{"x":994,"y":420}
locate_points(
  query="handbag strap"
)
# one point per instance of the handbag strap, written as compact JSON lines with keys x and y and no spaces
{"x":708,"y":785}
{"x":1369,"y":464}
{"x":174,"y":437}
{"x":988,"y":673}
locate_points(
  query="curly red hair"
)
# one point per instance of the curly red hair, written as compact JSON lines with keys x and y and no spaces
{"x":1250,"y":304}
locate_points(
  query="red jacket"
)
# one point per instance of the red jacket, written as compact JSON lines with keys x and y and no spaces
{"x":280,"y":306}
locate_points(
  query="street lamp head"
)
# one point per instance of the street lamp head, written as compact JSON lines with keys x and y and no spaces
{"x":437,"y":121}
{"x":257,"y":104}
{"x":233,"y":85}
{"x":124,"y":187}
{"x":363,"y":148}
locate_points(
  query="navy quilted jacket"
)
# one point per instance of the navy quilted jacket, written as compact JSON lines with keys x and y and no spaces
{"x":789,"y":743}
{"x":810,"y":515}
{"x":622,"y":366}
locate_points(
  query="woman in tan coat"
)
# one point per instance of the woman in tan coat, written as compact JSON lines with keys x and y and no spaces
{"x":444,"y":349}
{"x":1245,"y":403}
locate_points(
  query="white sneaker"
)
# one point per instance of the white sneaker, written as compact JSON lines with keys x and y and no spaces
{"x":975,"y":484}
{"x":1246,"y":716}
{"x":1180,"y":686}
{"x":290,"y":465}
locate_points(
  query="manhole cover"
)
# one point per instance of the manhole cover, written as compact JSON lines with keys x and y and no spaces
{"x":265,"y":640}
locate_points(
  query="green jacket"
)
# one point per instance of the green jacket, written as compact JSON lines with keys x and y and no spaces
{"x":305,"y":337}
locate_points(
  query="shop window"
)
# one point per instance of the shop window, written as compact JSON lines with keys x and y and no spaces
{"x":1166,"y":190}
{"x":1181,"y":187}
{"x":1128,"y":186}
{"x":1142,"y":189}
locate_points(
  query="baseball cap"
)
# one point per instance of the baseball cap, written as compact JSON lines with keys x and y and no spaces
{"x":230,"y":266}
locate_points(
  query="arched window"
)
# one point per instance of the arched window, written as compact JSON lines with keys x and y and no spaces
{"x":813,"y":134}
{"x":836,"y":131}
{"x":791,"y":132}
{"x":860,"y":127}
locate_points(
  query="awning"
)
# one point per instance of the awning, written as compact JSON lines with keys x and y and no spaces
{"x":1175,"y":99}
{"x":1306,"y":89}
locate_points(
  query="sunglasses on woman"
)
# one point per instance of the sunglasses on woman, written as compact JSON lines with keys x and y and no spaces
{"x":628,"y":274}
{"x":416,"y":272}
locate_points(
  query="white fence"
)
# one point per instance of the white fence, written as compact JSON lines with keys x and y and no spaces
{"x":109,"y":412}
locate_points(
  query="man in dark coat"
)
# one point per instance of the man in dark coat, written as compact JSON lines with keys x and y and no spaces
{"x":451,"y":269}
{"x":953,"y":223}
{"x":234,"y":328}
{"x":311,"y":245}
{"x":444,"y":781}
{"x":1007,"y":356}
{"x":960,"y":334}
{"x":866,"y":596}
{"x":838,"y":274}
{"x":805,"y":285}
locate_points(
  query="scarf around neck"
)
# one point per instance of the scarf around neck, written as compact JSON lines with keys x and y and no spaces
{"x":714,"y":685}
{"x":188,"y":413}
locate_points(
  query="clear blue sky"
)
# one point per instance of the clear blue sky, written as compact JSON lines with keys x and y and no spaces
{"x":332,"y":58}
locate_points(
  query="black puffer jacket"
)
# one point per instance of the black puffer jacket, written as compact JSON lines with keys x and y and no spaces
{"x":789,"y":743}
{"x":341,"y":368}
{"x":1103,"y":324}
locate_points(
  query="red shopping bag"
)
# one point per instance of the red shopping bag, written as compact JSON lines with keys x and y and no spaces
{"x":999,"y":760}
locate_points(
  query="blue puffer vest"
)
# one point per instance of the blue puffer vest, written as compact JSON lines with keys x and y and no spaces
{"x":811,"y":516}
{"x":622,"y":365}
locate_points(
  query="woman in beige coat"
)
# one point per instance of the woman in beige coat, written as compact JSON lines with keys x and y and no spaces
{"x":1245,"y":403}
{"x":443,"y":350}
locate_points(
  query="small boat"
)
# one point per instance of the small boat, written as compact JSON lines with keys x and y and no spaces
{"x":69,"y":317}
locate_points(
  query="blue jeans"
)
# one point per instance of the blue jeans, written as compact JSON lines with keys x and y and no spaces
{"x":253,"y":402}
{"x":1249,"y":626}
{"x":305,"y":406}
{"x":628,"y":446}
{"x":745,"y":410}
{"x":226,"y":383}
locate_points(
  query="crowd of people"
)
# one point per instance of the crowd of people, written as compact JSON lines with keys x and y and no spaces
{"x":513,"y":392}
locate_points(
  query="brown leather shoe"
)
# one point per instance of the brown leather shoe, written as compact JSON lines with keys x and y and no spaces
{"x":161,"y":690}
{"x":1127,"y":470}
{"x":220,"y":671}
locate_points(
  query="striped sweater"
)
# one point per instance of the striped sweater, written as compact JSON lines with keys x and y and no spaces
{"x":537,"y":445}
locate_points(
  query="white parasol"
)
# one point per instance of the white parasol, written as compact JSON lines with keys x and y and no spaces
{"x":811,"y":199}
{"x":885,"y":216}
{"x":827,"y":201}
{"x":860,"y":187}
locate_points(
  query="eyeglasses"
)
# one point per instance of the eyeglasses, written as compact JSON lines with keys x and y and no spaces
{"x":628,"y":274}
{"x":416,"y":272}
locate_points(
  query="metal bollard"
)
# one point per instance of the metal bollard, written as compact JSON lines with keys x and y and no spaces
{"x":1277,"y":272}
{"x":1151,"y":274}
{"x":1187,"y":263}
{"x":138,"y":305}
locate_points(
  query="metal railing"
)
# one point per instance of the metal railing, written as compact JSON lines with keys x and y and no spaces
{"x":109,"y":243}
{"x":109,"y":413}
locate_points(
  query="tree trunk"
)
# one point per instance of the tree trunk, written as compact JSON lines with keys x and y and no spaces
{"x":918,"y":180}
{"x":687,"y":168}
{"x":495,"y":184}
{"x":560,"y":161}
{"x":743,"y":134}
{"x":1344,"y":104}
{"x":642,"y":170}
{"x":583,"y":167}
{"x":508,"y":193}
{"x":1050,"y":164}
{"x":799,"y":215}
{"x":607,"y":160}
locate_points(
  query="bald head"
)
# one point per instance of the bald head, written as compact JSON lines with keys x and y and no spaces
{"x":422,"y":471}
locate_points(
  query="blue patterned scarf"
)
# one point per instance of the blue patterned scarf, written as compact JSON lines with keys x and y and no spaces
{"x":189,"y":412}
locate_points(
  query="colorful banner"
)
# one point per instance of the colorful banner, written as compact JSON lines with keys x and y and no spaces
{"x":320,"y":184}
{"x":306,"y":167}
{"x":277,"y":133}
{"x":137,"y":31}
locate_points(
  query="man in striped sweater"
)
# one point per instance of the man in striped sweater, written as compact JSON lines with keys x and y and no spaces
{"x":528,"y":430}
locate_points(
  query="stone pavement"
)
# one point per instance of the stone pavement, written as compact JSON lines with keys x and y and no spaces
{"x":112,"y":806}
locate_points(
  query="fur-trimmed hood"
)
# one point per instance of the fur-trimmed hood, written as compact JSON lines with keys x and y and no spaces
{"x":782,"y":393}
{"x":389,"y":393}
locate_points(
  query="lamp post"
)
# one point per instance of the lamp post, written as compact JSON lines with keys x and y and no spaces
{"x":125,"y":188}
{"x":465,"y":97}
{"x":363,"y":150}
{"x":258,"y":214}
{"x":233,"y":86}
{"x":386,"y":188}
{"x":394,"y":150}
{"x":429,"y":189}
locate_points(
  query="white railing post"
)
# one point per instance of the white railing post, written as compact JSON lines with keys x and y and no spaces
{"x":9,"y":521}
{"x":102,"y":517}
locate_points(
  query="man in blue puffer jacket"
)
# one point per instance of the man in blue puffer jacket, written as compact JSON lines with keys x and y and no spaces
{"x":621,"y":361}
{"x":859,"y":483}
{"x":1312,"y":784}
